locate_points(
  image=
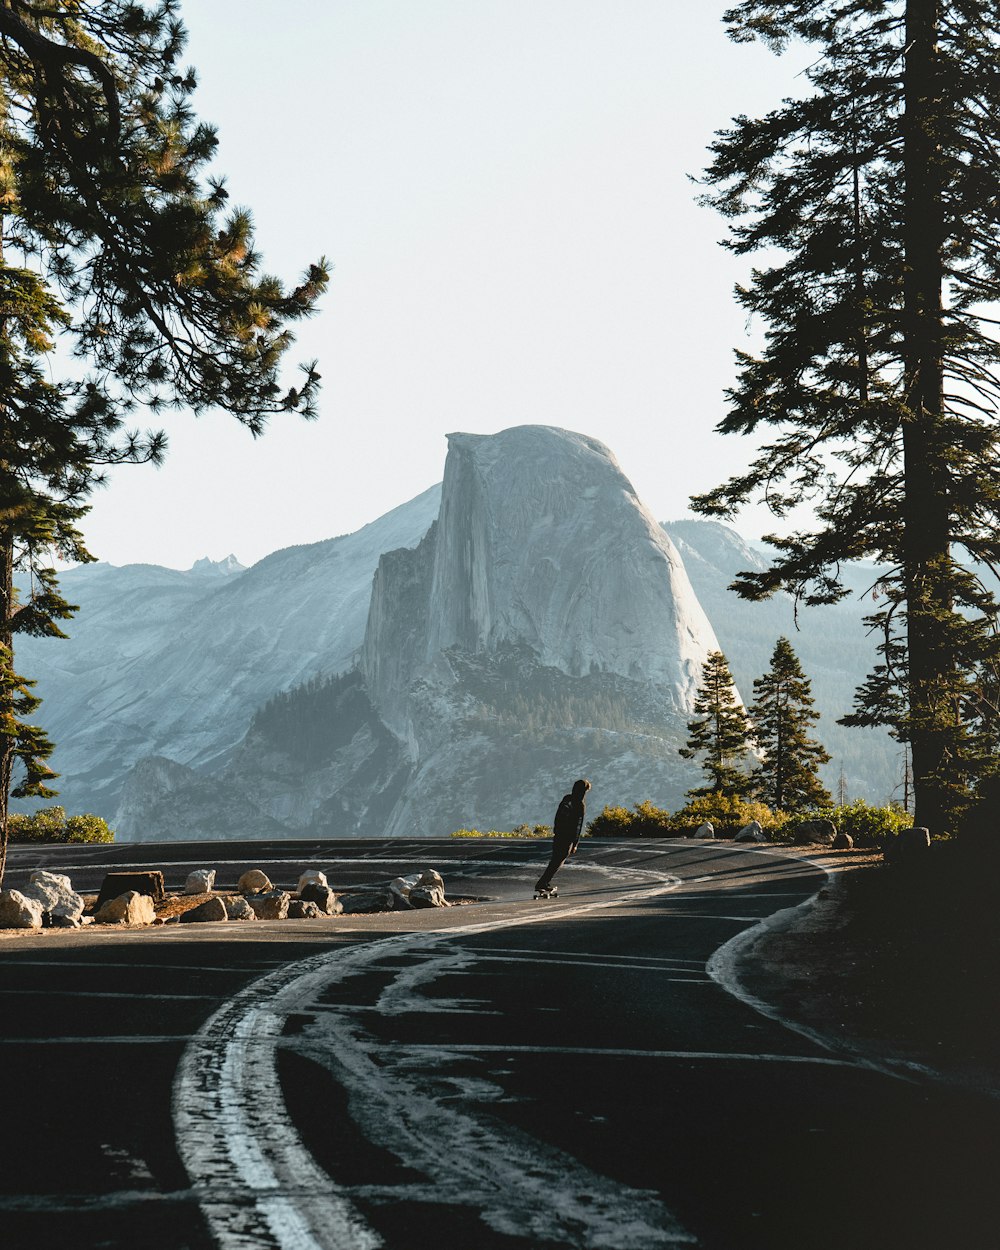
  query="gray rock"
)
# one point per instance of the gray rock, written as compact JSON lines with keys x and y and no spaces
{"x":270,"y":906}
{"x":312,"y":876}
{"x":842,"y":842}
{"x":211,"y":909}
{"x":19,"y":912}
{"x":239,"y":909}
{"x":430,"y":879}
{"x":57,"y":896}
{"x":707,"y":830}
{"x":254,"y":881}
{"x":323,"y":897}
{"x":426,"y":896}
{"x":908,"y":846}
{"x":201,"y":881}
{"x":129,"y":908}
{"x":302,"y":910}
{"x":815,"y":833}
{"x":369,"y":900}
{"x":751,"y":833}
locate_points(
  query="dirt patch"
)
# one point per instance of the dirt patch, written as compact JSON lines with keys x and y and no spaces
{"x":898,"y":963}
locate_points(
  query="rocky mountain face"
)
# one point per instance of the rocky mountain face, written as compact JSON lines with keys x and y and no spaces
{"x":175,"y":664}
{"x":454,"y":664}
{"x":542,"y":628}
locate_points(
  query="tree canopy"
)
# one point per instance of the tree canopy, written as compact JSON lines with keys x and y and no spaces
{"x":720,"y":731}
{"x":786,"y":777}
{"x":873,"y":197}
{"x":116,"y":242}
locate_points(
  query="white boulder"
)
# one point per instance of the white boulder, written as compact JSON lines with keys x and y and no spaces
{"x":753,"y":832}
{"x":311,"y":876}
{"x":431,"y":880}
{"x":56,"y":894}
{"x":707,"y":830}
{"x":201,"y":881}
{"x":19,"y":912}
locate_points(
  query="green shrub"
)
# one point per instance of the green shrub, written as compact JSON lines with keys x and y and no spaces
{"x":727,"y":814}
{"x":644,"y":821}
{"x":519,"y":831}
{"x":51,"y":824}
{"x":868,"y":826}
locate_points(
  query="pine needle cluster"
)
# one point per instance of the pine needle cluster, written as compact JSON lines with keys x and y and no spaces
{"x":116,"y":243}
{"x":873,"y":197}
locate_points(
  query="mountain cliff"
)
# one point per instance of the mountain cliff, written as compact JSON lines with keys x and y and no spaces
{"x":543,"y":627}
{"x":175,"y":664}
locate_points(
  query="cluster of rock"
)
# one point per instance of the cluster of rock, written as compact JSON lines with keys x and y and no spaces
{"x":50,"y":899}
{"x":809,"y":833}
{"x":257,"y":898}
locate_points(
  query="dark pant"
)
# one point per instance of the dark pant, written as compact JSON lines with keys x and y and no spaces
{"x":560,"y":852}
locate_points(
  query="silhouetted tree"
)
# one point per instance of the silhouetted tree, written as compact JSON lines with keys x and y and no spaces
{"x":114,"y":243}
{"x":720,"y":731}
{"x":877,"y":192}
{"x":782,"y":715}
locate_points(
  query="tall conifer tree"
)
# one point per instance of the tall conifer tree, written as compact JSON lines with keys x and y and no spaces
{"x":720,"y":730}
{"x":879,"y":371}
{"x":782,"y":714}
{"x":113,"y":241}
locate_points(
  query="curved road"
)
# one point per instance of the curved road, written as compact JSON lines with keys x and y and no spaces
{"x":510,"y":1074}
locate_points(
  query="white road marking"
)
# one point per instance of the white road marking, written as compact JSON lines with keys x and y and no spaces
{"x":460,"y":1048}
{"x":51,"y":993}
{"x":145,"y":1039}
{"x":638,"y":960}
{"x":590,"y":962}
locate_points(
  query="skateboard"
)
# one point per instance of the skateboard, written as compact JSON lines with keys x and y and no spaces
{"x":550,"y":891}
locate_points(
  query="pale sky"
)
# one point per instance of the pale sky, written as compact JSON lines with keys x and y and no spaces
{"x":502,"y":188}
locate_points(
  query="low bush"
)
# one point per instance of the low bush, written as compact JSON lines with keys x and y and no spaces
{"x":727,"y":815}
{"x":643,"y":821}
{"x":867,"y":825}
{"x":51,"y":824}
{"x":519,"y":831}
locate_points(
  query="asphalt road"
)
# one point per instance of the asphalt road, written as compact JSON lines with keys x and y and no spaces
{"x":510,"y":1074}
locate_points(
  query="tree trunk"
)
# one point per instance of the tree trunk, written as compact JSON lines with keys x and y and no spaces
{"x":7,"y":608}
{"x":926,"y":517}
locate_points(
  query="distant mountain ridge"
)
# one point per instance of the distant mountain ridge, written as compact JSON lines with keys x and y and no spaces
{"x":455,"y":662}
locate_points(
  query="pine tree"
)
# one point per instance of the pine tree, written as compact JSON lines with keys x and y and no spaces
{"x":114,"y":244}
{"x":782,"y":714}
{"x":720,"y":731}
{"x":877,"y":192}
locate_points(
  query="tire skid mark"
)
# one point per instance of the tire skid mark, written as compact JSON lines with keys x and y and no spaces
{"x":258,"y":1185}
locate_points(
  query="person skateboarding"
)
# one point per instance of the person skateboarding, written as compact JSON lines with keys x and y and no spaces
{"x":566,"y":830}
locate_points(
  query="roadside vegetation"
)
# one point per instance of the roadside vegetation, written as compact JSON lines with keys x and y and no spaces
{"x":519,"y":831}
{"x":51,"y":824}
{"x":867,"y":825}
